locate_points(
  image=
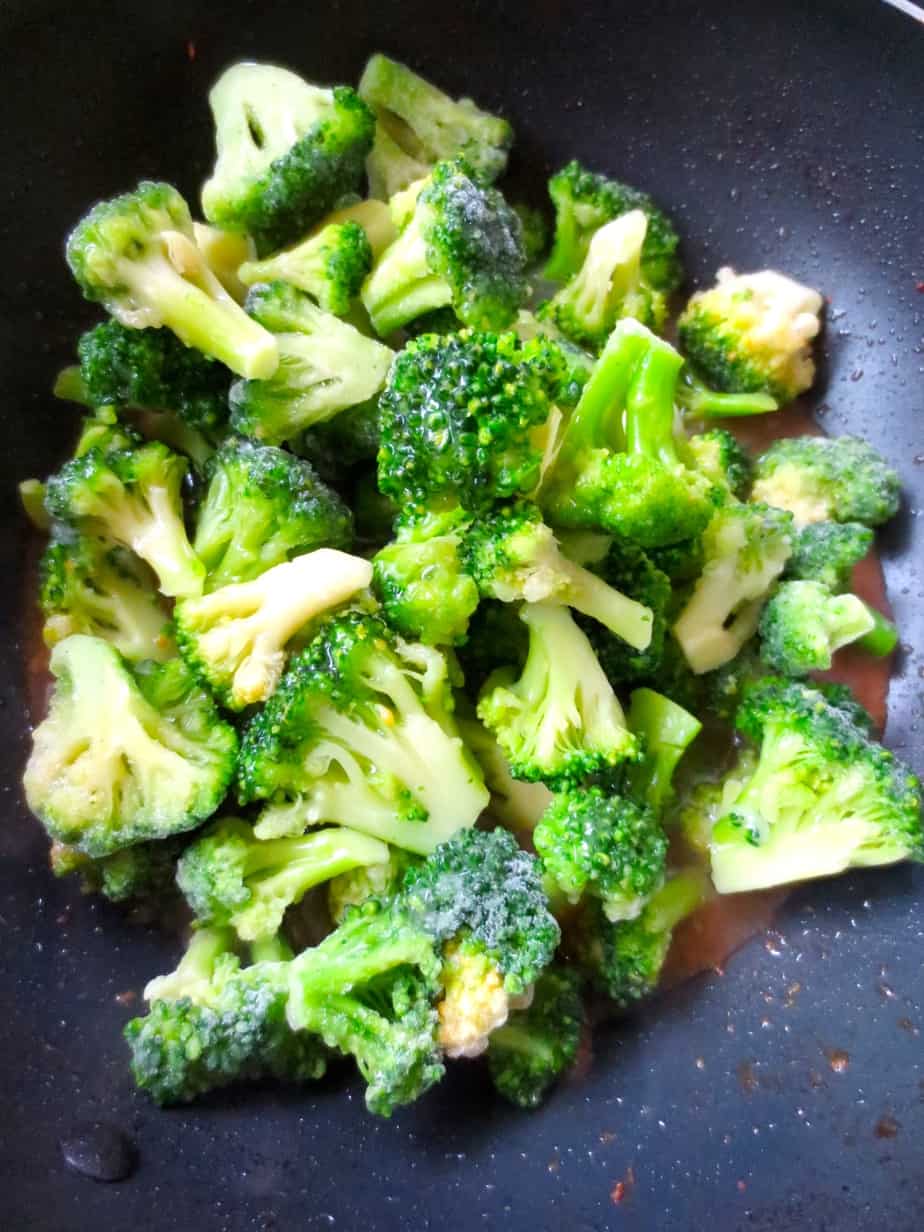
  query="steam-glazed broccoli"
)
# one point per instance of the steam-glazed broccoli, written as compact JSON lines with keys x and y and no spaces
{"x":826,"y":552}
{"x":722,"y":460}
{"x":803,"y":625}
{"x":665,"y":732}
{"x":824,"y":479}
{"x":330,"y":266}
{"x":536,"y":1045}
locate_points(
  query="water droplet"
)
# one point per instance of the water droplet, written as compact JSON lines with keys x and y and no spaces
{"x":99,"y":1151}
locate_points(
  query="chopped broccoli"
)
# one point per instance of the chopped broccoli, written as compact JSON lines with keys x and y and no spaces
{"x":696,"y":399}
{"x":224,"y":253}
{"x":379,"y":879}
{"x":665,"y":731}
{"x":143,"y":874}
{"x":827,"y":552}
{"x":821,"y":479}
{"x":516,"y":804}
{"x":537,"y":1044}
{"x":803,"y":625}
{"x":329,"y":265}
{"x":722,"y":460}
{"x":496,"y":638}
{"x":125,"y":755}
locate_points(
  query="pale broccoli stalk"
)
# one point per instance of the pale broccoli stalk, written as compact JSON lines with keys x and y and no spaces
{"x":225,"y":252}
{"x":515,"y":803}
{"x":373,"y":216}
{"x":330,"y":266}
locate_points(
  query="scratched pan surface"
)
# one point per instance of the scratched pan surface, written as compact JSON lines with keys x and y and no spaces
{"x":785,"y":134}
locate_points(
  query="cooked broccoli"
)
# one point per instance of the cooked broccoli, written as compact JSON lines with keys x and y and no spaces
{"x":752,"y":333}
{"x":462,"y":246}
{"x":143,"y":874}
{"x":696,"y":399}
{"x":496,"y":638}
{"x":822,"y":479}
{"x":722,"y":460}
{"x":125,"y":755}
{"x":558,"y":720}
{"x":746,"y":548}
{"x":535,"y":232}
{"x":287,"y":152}
{"x":803,"y":625}
{"x":325,"y":366}
{"x":665,"y":732}
{"x":262,"y":507}
{"x":578,"y":363}
{"x":338,"y":445}
{"x":380,"y":879}
{"x":516,"y":804}
{"x":537,"y":1044}
{"x":212,"y":1022}
{"x":329,"y":265}
{"x":359,"y":732}
{"x":375,"y":219}
{"x":708,"y":800}
{"x":584,"y":202}
{"x":235,"y":638}
{"x":417,"y":125}
{"x":824,"y":796}
{"x":826,"y":552}
{"x":224,"y":253}
{"x":88,"y":586}
{"x":136,"y":255}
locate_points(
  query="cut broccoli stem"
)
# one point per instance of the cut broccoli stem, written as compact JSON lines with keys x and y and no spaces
{"x":667,"y":731}
{"x":882,"y":638}
{"x":650,"y":406}
{"x":698,"y":399}
{"x":70,"y":386}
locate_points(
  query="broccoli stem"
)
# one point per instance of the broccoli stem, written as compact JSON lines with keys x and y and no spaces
{"x":401,"y":287}
{"x":70,"y":386}
{"x":157,"y":535}
{"x":650,"y":405}
{"x":699,"y":400}
{"x":667,"y":730}
{"x":309,"y":861}
{"x":882,"y":638}
{"x":196,"y":966}
{"x":678,"y":898}
{"x":593,"y":423}
{"x":591,"y":596}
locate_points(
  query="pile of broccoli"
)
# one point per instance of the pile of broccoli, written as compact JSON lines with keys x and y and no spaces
{"x":388,"y":599}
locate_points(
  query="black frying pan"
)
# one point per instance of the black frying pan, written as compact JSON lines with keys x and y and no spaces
{"x":787,"y":134}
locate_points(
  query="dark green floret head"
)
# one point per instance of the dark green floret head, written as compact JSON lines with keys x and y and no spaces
{"x":827,"y":552}
{"x":537,"y":1045}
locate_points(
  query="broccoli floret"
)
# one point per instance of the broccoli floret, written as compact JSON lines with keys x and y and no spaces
{"x":596,"y":845}
{"x":746,"y":548}
{"x":136,"y":255}
{"x":699,"y":401}
{"x":212,"y":1022}
{"x":379,"y":879}
{"x":375,"y":219}
{"x":359,"y":732}
{"x":417,"y":125}
{"x":516,"y":804}
{"x":325,"y":366}
{"x":420,"y":580}
{"x":803,"y":625}
{"x":496,"y":638}
{"x":824,"y":796}
{"x":665,"y":732}
{"x":131,"y":496}
{"x":224,"y":253}
{"x":461,"y":419}
{"x":610,"y":285}
{"x":373,"y":510}
{"x":827,"y":552}
{"x":330,"y":266}
{"x":681,"y":562}
{"x":87,"y":586}
{"x":584,"y":202}
{"x":263,"y":506}
{"x":708,"y":800}
{"x":558,"y":720}
{"x":151,"y":368}
{"x":722,"y":460}
{"x":752,"y":333}
{"x":338,"y":445}
{"x":287,"y":152}
{"x":231,"y":878}
{"x":535,"y":230}
{"x":537,"y":1044}
{"x":841,"y":696}
{"x":461,"y":246}
{"x":124,"y":756}
{"x":143,"y":874}
{"x":822,"y":479}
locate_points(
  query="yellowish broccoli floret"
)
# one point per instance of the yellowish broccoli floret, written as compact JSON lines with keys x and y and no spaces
{"x":474,"y":1001}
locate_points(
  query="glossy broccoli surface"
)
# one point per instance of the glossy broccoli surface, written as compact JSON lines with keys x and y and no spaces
{"x":804,"y":624}
{"x":828,"y":479}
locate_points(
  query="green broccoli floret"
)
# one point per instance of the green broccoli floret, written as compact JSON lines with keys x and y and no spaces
{"x":559,"y":720}
{"x":584,"y":202}
{"x":379,"y":879}
{"x":329,"y":265}
{"x":336,"y":447}
{"x":143,"y":874}
{"x":212,"y":1022}
{"x":535,"y":1046}
{"x":151,"y":368}
{"x":131,"y":496}
{"x":462,"y":419}
{"x":746,"y":548}
{"x":420,"y":580}
{"x":752,"y":333}
{"x":88,"y":586}
{"x":722,"y":460}
{"x":325,"y":366}
{"x":231,"y":878}
{"x":287,"y":152}
{"x":596,"y":845}
{"x":516,"y":804}
{"x":461,"y":246}
{"x":824,"y":796}
{"x":822,"y":479}
{"x":697,"y":400}
{"x":137,"y":257}
{"x":841,"y":696}
{"x":125,"y":755}
{"x":417,"y":125}
{"x":535,"y":230}
{"x":804,"y":624}
{"x":578,"y":363}
{"x":665,"y":731}
{"x":359,"y":732}
{"x":496,"y":638}
{"x":681,"y":562}
{"x":262,"y":506}
{"x":827,"y":552}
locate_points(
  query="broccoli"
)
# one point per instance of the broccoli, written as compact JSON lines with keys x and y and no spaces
{"x":380,"y":879}
{"x":287,"y":152}
{"x":722,"y":460}
{"x":699,"y":401}
{"x":584,"y":202}
{"x":537,"y":1044}
{"x":665,"y":731}
{"x":373,"y":216}
{"x":496,"y":638}
{"x":596,"y":845}
{"x":708,"y":800}
{"x":752,"y":333}
{"x":359,"y":732}
{"x":578,"y":363}
{"x":803,"y":625}
{"x":224,"y":253}
{"x":514,"y":803}
{"x":212,"y":1022}
{"x":827,"y":552}
{"x":329,"y":265}
{"x":131,"y":496}
{"x":420,"y":580}
{"x":151,"y":368}
{"x":125,"y":755}
{"x":325,"y":366}
{"x":262,"y":506}
{"x":335,"y":447}
{"x":746,"y":548}
{"x":88,"y":586}
{"x":417,"y":125}
{"x":841,"y":696}
{"x":136,"y":256}
{"x":462,"y":246}
{"x":231,"y":878}
{"x":535,"y":232}
{"x":821,"y":479}
{"x":461,"y":419}
{"x":824,"y":797}
{"x":143,"y":874}
{"x":559,"y":721}
{"x":609,"y":285}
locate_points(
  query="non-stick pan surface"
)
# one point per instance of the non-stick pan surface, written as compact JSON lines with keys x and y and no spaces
{"x":785,"y":134}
